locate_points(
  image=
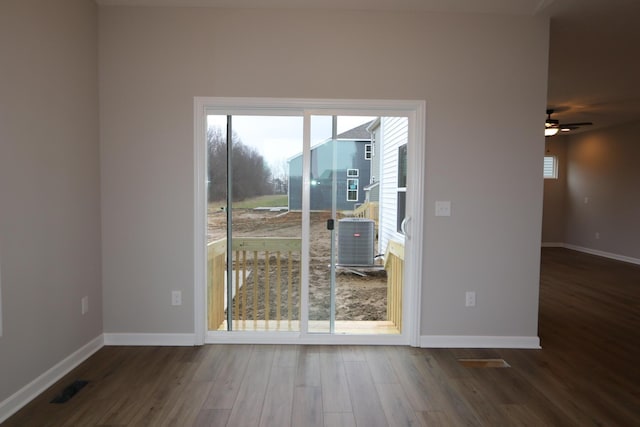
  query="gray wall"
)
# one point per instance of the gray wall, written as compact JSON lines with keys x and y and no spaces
{"x":603,"y":166}
{"x":469,"y":68}
{"x":553,"y":213}
{"x":49,"y":185}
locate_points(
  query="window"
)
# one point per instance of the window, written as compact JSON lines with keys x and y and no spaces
{"x":353,"y":172}
{"x":368,"y":151}
{"x":352,"y":190}
{"x":402,"y":187}
{"x":550,"y":170}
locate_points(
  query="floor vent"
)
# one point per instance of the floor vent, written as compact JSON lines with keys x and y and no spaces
{"x":484,"y":363}
{"x":69,"y":391}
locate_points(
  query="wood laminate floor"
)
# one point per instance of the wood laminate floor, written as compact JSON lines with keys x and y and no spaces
{"x":586,"y":374}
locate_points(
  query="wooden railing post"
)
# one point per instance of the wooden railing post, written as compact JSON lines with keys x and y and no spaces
{"x":394,"y":265}
{"x":216,"y":266}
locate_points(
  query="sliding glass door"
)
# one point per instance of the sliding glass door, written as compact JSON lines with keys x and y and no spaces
{"x":306,"y":222}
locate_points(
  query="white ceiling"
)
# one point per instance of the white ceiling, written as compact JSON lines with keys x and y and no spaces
{"x":594,"y":58}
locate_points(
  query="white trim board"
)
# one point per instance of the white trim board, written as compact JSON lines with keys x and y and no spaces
{"x":590,"y":251}
{"x":150,"y":339}
{"x":603,"y":254}
{"x":26,"y":394}
{"x":477,"y":341}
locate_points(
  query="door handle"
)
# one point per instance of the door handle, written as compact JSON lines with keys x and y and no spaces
{"x":403,"y":226}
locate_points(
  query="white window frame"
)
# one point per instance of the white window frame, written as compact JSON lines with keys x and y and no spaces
{"x":349,"y":190}
{"x":415,"y":111}
{"x":552,"y":171}
{"x":368,"y":151}
{"x":353,"y":173}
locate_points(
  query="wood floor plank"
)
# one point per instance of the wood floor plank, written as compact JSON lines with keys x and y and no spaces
{"x":517,"y":415}
{"x":434,"y":419}
{"x":367,"y":407}
{"x":396,"y":406}
{"x":286,"y":356}
{"x":307,"y":407}
{"x":335,"y":390}
{"x":308,"y":368}
{"x":419,"y":392}
{"x":208,"y":365}
{"x":380,"y":366}
{"x":339,"y":419}
{"x":212,"y":417}
{"x":187,"y":405}
{"x":445,"y":392}
{"x":231,"y":366}
{"x":278,"y":402}
{"x":247,"y":408}
{"x":353,"y":353}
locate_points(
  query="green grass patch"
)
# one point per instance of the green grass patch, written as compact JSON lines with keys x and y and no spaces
{"x":271,"y":200}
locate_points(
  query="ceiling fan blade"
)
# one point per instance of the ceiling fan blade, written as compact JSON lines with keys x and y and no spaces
{"x":568,"y":125}
{"x":558,"y":109}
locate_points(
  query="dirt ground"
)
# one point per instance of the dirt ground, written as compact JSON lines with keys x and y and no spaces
{"x":357,"y":297}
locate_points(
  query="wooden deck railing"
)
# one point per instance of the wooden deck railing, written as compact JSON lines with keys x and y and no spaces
{"x":394,"y":265}
{"x":368,"y":210}
{"x":266,"y":270}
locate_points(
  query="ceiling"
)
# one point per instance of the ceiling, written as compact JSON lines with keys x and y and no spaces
{"x":594,"y":54}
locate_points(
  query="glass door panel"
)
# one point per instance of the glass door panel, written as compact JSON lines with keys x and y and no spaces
{"x":348,"y":282}
{"x":254,"y":227}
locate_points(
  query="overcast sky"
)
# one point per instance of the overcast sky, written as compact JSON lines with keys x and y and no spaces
{"x":278,"y":138}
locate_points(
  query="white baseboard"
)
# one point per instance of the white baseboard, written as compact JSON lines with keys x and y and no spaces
{"x":150,"y":339}
{"x":26,"y":394}
{"x":475,"y":341}
{"x":603,"y":254}
{"x":596,"y":252}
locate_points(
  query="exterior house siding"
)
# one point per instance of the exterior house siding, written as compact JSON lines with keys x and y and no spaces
{"x":350,"y":155}
{"x":393,"y":134}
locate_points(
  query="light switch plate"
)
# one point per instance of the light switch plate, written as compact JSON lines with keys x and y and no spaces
{"x":443,"y":208}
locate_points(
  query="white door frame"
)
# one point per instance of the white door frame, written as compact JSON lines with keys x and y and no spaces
{"x":415,"y":111}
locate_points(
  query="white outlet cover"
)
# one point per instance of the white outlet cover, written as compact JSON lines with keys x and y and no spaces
{"x":176,"y":298}
{"x":443,"y":208}
{"x":470,"y":299}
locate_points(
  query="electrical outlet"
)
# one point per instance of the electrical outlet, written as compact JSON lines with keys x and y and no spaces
{"x":176,"y":298}
{"x":84,"y":304}
{"x":470,"y":299}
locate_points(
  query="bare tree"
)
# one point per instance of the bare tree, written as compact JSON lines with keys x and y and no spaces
{"x":280,"y":174}
{"x":250,"y":175}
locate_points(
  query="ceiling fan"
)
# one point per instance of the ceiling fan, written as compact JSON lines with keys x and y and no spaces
{"x":553,"y":126}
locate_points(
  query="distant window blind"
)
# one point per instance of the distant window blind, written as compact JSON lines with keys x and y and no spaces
{"x":550,"y":169}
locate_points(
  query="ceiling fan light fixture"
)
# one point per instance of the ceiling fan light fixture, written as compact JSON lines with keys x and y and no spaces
{"x":551,"y":131}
